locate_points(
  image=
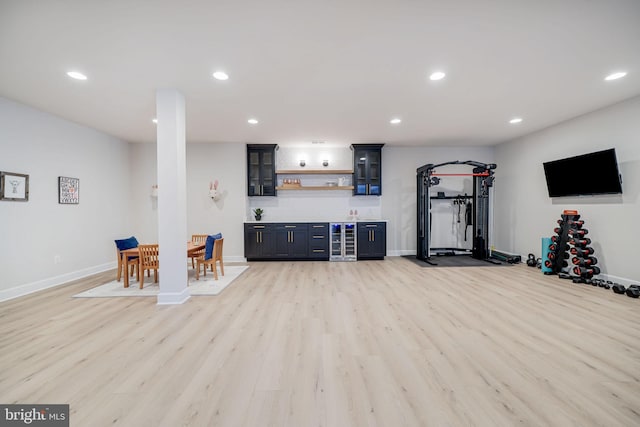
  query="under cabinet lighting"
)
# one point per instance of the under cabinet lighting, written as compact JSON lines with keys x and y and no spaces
{"x":154,"y":121}
{"x":395,"y":121}
{"x":76,"y":75}
{"x":252,"y":121}
{"x":438,"y":75}
{"x":515,"y":120}
{"x":616,"y":76}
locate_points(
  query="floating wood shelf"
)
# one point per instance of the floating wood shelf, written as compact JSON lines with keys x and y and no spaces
{"x":316,"y":188}
{"x":315,"y":172}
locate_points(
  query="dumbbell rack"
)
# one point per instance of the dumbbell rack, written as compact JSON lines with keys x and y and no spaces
{"x":570,"y":252}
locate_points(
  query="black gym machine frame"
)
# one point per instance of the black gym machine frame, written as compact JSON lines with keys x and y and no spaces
{"x":482,"y":180}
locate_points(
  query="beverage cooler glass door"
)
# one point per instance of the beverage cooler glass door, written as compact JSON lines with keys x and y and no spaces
{"x":349,"y":240}
{"x":336,"y":242}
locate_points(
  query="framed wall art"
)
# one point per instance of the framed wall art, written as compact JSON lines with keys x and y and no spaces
{"x":68,"y":190}
{"x":14,"y":187}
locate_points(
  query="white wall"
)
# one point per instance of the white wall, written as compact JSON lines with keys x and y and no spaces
{"x":524,"y":213}
{"x":33,"y":233}
{"x":399,"y":166}
{"x":309,"y":205}
{"x":225,"y":162}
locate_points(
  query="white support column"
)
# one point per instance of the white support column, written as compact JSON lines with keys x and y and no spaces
{"x":172,"y":197}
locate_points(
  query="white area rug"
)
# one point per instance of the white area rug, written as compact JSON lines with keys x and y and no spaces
{"x":205,"y":286}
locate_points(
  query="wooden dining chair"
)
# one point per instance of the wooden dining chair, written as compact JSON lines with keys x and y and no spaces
{"x":216,"y":255}
{"x":121,"y":245}
{"x":200,"y":239}
{"x":149,"y":260}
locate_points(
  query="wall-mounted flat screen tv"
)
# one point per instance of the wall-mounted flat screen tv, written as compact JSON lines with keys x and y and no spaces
{"x":588,"y":174}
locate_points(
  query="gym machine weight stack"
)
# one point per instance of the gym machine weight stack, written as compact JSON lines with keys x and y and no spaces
{"x":569,"y":254}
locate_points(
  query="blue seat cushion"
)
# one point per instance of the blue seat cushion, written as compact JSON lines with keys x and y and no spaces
{"x":208,"y":249}
{"x":129,"y":243}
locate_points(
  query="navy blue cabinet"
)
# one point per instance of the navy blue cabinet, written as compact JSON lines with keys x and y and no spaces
{"x":259,"y":241}
{"x":261,"y":169}
{"x":372,"y":240}
{"x":286,"y":241}
{"x":367,"y":169}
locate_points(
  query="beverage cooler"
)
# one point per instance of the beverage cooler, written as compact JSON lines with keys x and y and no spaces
{"x":343,"y":241}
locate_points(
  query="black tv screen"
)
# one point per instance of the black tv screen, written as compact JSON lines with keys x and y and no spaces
{"x":588,"y":174}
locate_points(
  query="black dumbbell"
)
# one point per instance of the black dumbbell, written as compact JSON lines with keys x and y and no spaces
{"x":578,"y":233}
{"x":555,"y":239}
{"x":580,"y":242}
{"x":618,"y":288}
{"x":575,"y":224}
{"x":558,"y":230}
{"x":582,"y":252}
{"x":564,"y":276}
{"x":633,"y":291}
{"x":586,"y":272}
{"x":584,"y":262}
{"x":531,"y":260}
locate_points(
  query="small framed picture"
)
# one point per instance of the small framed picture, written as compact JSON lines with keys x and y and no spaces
{"x":68,"y":190}
{"x":14,"y":187}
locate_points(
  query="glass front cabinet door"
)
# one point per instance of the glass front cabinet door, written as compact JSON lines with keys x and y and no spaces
{"x":367,"y":169}
{"x":261,"y":169}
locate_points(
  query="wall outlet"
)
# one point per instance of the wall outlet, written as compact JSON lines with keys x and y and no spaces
{"x":57,"y":259}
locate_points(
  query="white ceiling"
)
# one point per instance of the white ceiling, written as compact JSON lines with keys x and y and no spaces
{"x":328,"y":70}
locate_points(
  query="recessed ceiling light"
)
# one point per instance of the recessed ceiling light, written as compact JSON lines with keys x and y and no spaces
{"x":515,"y":120}
{"x":395,"y":121}
{"x":154,"y":120}
{"x":438,"y":75}
{"x":616,"y":76}
{"x":252,"y":121}
{"x":221,"y":75}
{"x":76,"y":75}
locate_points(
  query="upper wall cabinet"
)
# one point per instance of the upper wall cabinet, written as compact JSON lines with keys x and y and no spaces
{"x":261,"y":169}
{"x":367,"y":169}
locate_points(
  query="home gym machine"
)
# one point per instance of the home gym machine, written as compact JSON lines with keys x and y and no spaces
{"x":427,"y":177}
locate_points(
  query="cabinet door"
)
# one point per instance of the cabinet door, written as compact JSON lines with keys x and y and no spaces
{"x":299,"y":245}
{"x":268,"y":173}
{"x":259,"y":242}
{"x":291,"y":241}
{"x":374,"y":172}
{"x":372,"y":241}
{"x":261,"y":170}
{"x":282,"y":237}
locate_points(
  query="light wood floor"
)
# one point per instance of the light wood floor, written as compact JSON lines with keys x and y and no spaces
{"x":333,"y":344}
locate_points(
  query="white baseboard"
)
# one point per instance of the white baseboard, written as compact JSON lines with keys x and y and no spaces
{"x":615,"y":279}
{"x":172,"y":298}
{"x":29,"y":288}
{"x":402,"y":252}
{"x":234,"y":258}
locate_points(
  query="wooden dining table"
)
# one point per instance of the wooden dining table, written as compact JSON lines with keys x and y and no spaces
{"x":134,"y":252}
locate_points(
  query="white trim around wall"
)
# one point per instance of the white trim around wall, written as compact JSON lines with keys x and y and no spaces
{"x":29,"y":288}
